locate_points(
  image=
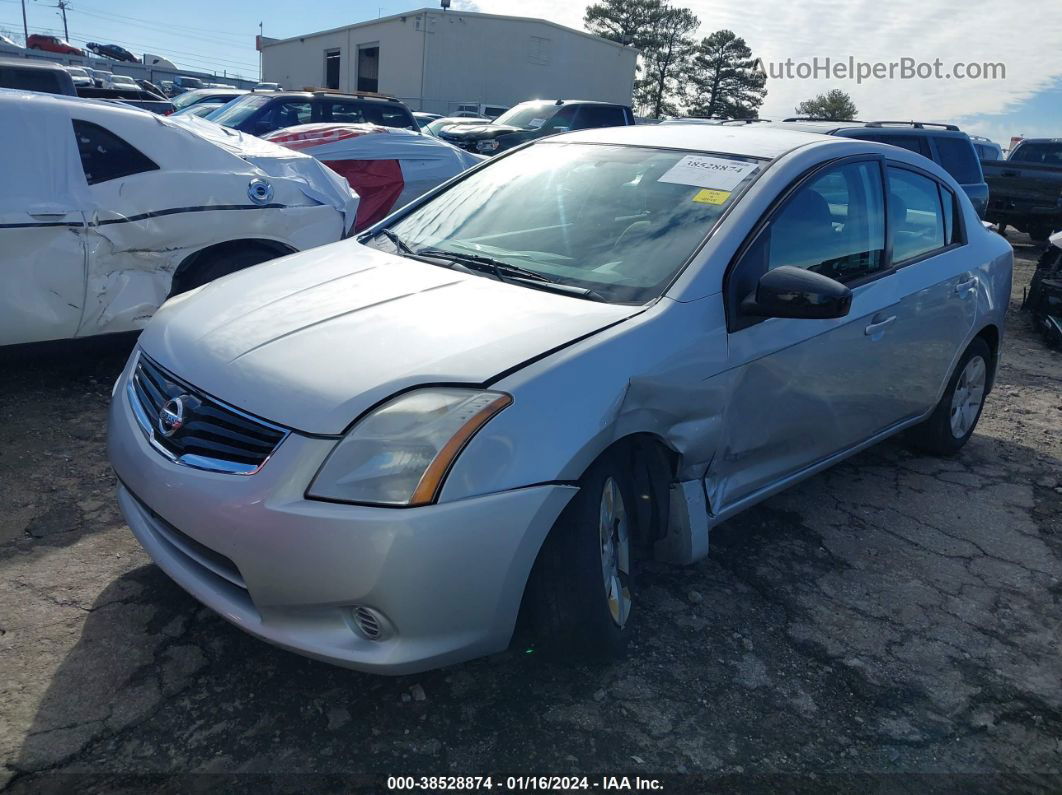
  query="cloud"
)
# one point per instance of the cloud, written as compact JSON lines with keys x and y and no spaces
{"x":1022,"y":35}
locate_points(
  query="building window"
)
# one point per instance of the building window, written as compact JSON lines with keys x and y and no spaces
{"x":332,"y":69}
{"x":538,"y":49}
{"x":369,"y":68}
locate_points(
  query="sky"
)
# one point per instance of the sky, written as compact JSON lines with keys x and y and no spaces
{"x":1024,"y":36}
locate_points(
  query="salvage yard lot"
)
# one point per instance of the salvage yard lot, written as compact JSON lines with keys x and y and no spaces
{"x":898,"y":613}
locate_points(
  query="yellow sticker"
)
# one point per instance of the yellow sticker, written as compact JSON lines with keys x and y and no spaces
{"x":707,"y":196}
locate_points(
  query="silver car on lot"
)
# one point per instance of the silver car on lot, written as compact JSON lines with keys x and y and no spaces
{"x":587,"y":352}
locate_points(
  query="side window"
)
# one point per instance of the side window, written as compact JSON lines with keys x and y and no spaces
{"x":562,"y":120}
{"x":912,"y":143}
{"x":952,"y":224}
{"x":958,"y":158}
{"x":288,"y":114}
{"x":834,"y":224}
{"x":342,"y":112}
{"x":388,"y":115}
{"x":915,"y":214}
{"x":105,"y":156}
{"x":601,"y":116}
{"x":43,"y":80}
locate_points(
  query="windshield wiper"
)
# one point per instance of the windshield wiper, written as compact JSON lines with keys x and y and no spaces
{"x":400,"y":244}
{"x":505,"y":272}
{"x":480,"y":262}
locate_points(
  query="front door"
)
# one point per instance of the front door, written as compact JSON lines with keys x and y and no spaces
{"x":803,"y":390}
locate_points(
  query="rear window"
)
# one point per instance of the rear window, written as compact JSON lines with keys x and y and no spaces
{"x":958,"y":158}
{"x":347,"y":112}
{"x":30,"y":80}
{"x":1047,"y":153}
{"x":912,"y":143}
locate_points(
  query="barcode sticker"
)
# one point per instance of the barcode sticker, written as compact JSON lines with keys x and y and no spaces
{"x":704,"y":171}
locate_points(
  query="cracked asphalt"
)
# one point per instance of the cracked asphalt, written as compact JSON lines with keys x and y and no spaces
{"x":894,"y":620}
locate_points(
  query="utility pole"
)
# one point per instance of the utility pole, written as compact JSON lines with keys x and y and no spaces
{"x":62,"y":10}
{"x":25,"y":28}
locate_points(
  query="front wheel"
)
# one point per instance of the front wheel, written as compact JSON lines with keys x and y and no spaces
{"x":952,"y":423}
{"x":580,"y":594}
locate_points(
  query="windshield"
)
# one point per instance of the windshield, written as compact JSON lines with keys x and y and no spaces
{"x":527,"y":113}
{"x":187,"y":98}
{"x":239,"y":110}
{"x":618,"y":220}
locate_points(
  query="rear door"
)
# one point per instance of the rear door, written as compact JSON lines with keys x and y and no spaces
{"x":804,"y":390}
{"x":42,"y":228}
{"x":938,"y":279}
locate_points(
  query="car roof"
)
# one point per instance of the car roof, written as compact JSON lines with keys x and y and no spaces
{"x":559,"y":102}
{"x":1038,"y":141}
{"x":829,"y":126}
{"x":745,"y":140}
{"x":326,"y":95}
{"x":30,"y":63}
{"x":212,"y":92}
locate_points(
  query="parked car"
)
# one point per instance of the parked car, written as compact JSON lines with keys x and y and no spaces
{"x":1043,"y":301}
{"x":585,"y":352}
{"x":8,"y":42}
{"x":425,"y":118}
{"x":217,"y":96}
{"x":35,"y":75}
{"x":80,"y":76}
{"x":48,"y":43}
{"x":434,"y":127}
{"x":147,"y":85}
{"x":108,"y":210}
{"x":944,"y":144}
{"x":124,"y":82}
{"x":259,"y":114}
{"x":136,"y":97}
{"x":530,"y":120}
{"x":1027,"y":188}
{"x":183,"y":83}
{"x":386,"y":167}
{"x":986,"y":148}
{"x":477,"y":109}
{"x":199,"y":109}
{"x":112,"y":51}
{"x":169,"y":88}
{"x":100,"y":78}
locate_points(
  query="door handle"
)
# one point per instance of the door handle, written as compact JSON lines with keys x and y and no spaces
{"x":966,"y":287}
{"x":1008,"y":173}
{"x":48,"y":211}
{"x":874,"y":328}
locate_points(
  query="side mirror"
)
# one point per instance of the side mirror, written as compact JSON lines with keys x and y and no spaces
{"x":795,"y":292}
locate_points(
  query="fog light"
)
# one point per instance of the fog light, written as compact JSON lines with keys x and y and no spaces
{"x":371,"y":624}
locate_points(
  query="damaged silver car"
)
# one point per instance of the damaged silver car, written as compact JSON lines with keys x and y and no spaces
{"x":584,"y":353}
{"x":106,"y":210}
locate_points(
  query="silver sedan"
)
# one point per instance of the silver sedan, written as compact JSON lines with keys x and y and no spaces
{"x":583,"y":353}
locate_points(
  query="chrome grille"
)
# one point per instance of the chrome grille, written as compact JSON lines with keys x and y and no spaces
{"x":210,"y":435}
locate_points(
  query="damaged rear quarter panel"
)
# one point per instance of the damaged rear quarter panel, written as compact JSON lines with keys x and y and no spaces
{"x":146,"y":224}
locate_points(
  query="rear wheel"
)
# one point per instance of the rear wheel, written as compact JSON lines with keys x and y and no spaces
{"x":580,"y":594}
{"x":952,"y":423}
{"x":220,"y":264}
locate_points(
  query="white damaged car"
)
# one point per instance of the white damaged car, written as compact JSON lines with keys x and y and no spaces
{"x":106,"y":211}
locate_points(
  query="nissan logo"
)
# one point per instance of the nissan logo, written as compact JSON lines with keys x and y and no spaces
{"x":171,"y":416}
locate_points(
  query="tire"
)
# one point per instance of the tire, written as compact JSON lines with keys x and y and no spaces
{"x":218,"y":265}
{"x":569,"y":604}
{"x":950,"y":426}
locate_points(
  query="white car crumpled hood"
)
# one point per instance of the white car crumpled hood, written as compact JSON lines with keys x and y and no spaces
{"x":312,"y":340}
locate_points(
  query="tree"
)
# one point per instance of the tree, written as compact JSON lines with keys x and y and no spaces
{"x":625,"y":21}
{"x":665,"y":57}
{"x":834,"y":104}
{"x":723,"y":80}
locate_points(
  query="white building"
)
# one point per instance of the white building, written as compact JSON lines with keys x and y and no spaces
{"x":435,"y":60}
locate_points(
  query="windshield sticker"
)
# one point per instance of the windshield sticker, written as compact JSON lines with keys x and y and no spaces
{"x":708,"y":196}
{"x":534,"y":124}
{"x":704,"y":171}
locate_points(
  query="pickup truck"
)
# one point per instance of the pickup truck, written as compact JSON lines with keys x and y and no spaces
{"x":1025,"y":190}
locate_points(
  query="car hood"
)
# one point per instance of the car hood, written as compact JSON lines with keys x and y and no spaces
{"x":312,"y":340}
{"x":478,"y":132}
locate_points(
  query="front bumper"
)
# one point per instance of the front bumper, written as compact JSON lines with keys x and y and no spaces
{"x":449,"y":578}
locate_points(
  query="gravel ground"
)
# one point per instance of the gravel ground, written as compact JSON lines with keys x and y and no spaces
{"x":894,"y":617}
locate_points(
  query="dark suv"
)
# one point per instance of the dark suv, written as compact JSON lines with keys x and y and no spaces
{"x":944,"y":144}
{"x":536,"y":119}
{"x":259,"y":114}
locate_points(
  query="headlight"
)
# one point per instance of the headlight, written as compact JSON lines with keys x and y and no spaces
{"x":400,"y":453}
{"x":487,"y":146}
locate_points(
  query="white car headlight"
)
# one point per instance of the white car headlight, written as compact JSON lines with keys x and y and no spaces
{"x":399,"y":454}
